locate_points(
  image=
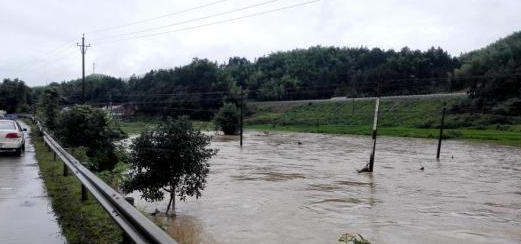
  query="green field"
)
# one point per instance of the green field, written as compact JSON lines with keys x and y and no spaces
{"x":137,"y":126}
{"x":403,"y":117}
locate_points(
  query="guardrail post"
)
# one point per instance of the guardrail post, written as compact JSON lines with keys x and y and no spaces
{"x":65,"y":170}
{"x":54,"y":156}
{"x":84,"y":196}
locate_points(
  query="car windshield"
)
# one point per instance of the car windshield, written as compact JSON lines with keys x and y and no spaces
{"x":7,"y":125}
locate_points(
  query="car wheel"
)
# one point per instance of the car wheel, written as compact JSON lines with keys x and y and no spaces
{"x":18,"y":152}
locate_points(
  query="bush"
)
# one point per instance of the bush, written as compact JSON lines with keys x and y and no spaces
{"x":228,"y":119}
{"x":92,"y":128}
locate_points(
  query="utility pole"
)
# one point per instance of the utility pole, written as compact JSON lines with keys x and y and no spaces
{"x":83,"y":50}
{"x":93,"y":68}
{"x":441,"y":132}
{"x":353,"y":112}
{"x":370,"y":165}
{"x":242,"y":115}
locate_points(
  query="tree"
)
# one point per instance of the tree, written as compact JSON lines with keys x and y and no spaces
{"x":173,"y":159}
{"x":15,"y":96}
{"x":48,"y":107}
{"x":500,"y":92}
{"x":228,"y":119}
{"x":83,"y":125}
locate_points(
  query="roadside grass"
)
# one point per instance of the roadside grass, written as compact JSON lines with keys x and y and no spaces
{"x":81,"y":222}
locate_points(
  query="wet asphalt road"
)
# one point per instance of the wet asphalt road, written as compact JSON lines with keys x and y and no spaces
{"x":26,"y":215}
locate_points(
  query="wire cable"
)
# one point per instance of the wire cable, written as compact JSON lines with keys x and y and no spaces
{"x":187,"y":21}
{"x":211,"y":23}
{"x":156,"y":18}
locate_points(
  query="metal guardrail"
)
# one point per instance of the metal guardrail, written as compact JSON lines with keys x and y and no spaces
{"x":134,"y":224}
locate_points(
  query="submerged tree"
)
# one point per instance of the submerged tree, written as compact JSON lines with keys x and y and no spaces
{"x":172,"y":159}
{"x":228,"y":119}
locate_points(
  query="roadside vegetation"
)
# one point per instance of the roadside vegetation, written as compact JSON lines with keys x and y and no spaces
{"x":81,"y":222}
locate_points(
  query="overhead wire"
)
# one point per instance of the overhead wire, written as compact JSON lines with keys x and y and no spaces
{"x":155,"y":18}
{"x":186,"y":21}
{"x":211,"y":23}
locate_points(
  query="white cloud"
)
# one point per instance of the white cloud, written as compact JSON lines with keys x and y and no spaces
{"x":32,"y":28}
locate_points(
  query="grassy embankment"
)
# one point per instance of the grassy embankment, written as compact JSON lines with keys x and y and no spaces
{"x":403,"y":117}
{"x":81,"y":222}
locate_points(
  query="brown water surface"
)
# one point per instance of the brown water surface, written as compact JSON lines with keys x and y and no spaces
{"x":276,"y":191}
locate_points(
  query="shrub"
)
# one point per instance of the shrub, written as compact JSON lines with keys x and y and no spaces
{"x":92,"y":128}
{"x":228,"y":119}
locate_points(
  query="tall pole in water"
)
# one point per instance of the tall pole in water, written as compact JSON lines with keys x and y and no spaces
{"x":375,"y":125}
{"x":242,"y":115}
{"x":441,"y":132}
{"x":83,"y":50}
{"x":369,"y":167}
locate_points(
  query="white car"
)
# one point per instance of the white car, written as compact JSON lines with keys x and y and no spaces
{"x":12,"y":137}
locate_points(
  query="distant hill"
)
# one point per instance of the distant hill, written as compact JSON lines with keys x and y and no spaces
{"x":496,"y":87}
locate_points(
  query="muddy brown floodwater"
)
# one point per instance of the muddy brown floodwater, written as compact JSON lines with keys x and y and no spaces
{"x":277,"y":190}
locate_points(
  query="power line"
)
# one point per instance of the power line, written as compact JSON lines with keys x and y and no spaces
{"x":212,"y":23}
{"x":45,"y":57}
{"x":156,"y":18}
{"x":188,"y":21}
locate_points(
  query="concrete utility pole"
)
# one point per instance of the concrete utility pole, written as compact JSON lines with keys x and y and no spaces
{"x":375,"y":125}
{"x":242,"y":115}
{"x":369,"y":166}
{"x":83,"y":50}
{"x":441,"y":132}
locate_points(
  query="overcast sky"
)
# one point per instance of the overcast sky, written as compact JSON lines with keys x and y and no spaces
{"x":38,"y":38}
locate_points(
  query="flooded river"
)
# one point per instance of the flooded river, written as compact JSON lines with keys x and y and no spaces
{"x":303,"y":188}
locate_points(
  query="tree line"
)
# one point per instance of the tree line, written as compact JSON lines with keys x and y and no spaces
{"x":201,"y":87}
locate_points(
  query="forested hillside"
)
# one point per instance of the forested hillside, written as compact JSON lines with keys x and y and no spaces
{"x":201,"y":87}
{"x":497,"y":68}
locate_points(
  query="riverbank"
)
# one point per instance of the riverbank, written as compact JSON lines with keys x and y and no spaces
{"x":399,"y":116}
{"x":500,"y":137}
{"x":81,"y":222}
{"x":508,"y":138}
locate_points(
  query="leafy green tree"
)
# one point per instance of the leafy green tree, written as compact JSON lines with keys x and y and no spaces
{"x":89,"y":127}
{"x":500,"y":90}
{"x":228,"y":119}
{"x":15,"y":96}
{"x":172,"y":159}
{"x":48,"y":107}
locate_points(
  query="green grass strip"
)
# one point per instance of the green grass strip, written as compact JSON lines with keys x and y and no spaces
{"x":81,"y":222}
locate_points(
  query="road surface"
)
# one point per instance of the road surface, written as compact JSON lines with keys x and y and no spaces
{"x":26,"y":215}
